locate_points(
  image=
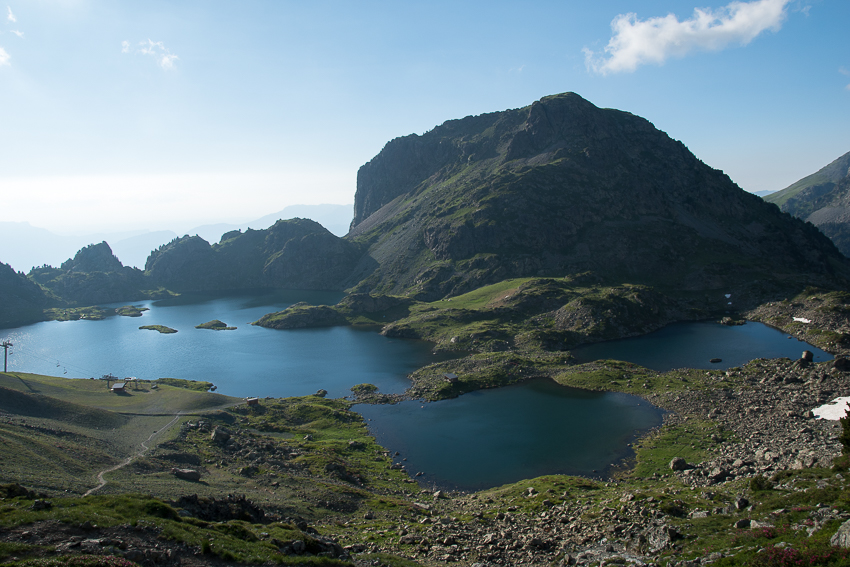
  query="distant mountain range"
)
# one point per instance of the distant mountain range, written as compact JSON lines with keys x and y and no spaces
{"x":823,"y":199}
{"x":559,"y":188}
{"x":24,"y":246}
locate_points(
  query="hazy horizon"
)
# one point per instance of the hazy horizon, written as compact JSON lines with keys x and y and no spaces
{"x":160,"y":115}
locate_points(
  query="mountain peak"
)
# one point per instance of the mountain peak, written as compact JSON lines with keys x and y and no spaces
{"x":93,"y":258}
{"x":561,"y":187}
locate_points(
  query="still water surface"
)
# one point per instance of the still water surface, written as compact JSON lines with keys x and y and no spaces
{"x":493,"y":437}
{"x":249,"y":361}
{"x":694,"y":344}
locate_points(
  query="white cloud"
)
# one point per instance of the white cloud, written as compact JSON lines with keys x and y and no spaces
{"x":162,"y":54}
{"x":4,"y":57}
{"x":125,"y":47}
{"x":636,"y":42}
{"x":18,"y":33}
{"x":167,"y":61}
{"x":10,"y":16}
{"x":845,"y":72}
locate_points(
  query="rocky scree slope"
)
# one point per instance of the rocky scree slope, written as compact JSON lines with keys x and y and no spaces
{"x":823,"y":199}
{"x":295,"y":253}
{"x":562,"y":187}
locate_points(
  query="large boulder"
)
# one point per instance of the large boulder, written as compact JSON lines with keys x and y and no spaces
{"x":187,"y":474}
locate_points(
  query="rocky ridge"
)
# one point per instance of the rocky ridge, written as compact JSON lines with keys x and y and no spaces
{"x":562,"y":187}
{"x":823,"y":199}
{"x":294,"y":254}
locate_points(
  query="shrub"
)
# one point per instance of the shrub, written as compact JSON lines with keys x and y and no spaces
{"x":760,"y":483}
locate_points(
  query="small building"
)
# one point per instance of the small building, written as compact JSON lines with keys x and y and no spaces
{"x":450,"y":378}
{"x":118,"y":387}
{"x":253,"y":401}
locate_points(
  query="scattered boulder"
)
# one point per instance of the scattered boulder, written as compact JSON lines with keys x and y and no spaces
{"x":186,"y":474}
{"x":41,"y":505}
{"x":660,"y":537}
{"x":807,"y":356}
{"x":679,"y":464}
{"x":220,"y":435}
{"x":842,"y":536}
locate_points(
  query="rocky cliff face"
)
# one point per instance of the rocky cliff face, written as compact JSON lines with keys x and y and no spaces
{"x":22,"y":300}
{"x":295,"y":253}
{"x":562,"y":187}
{"x":822,"y":199}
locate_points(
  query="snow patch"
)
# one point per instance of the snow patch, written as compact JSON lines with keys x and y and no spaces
{"x":834,"y":410}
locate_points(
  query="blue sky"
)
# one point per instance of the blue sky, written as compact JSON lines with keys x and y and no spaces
{"x":124,"y":115}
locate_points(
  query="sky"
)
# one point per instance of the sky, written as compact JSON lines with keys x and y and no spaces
{"x":167,"y":115}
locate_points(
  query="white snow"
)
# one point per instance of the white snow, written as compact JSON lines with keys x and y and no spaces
{"x":802,"y":320}
{"x":834,"y":410}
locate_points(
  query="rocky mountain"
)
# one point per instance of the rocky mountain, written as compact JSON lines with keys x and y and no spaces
{"x":823,"y":199}
{"x":94,"y":275}
{"x":563,"y":187}
{"x":93,"y":258}
{"x":295,"y":253}
{"x":23,"y":301}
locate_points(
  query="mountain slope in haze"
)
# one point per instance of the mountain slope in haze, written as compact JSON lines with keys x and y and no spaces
{"x":94,"y":275}
{"x":823,"y":199}
{"x":563,"y":187}
{"x":295,"y":253}
{"x":335,"y":218}
{"x":22,"y":300}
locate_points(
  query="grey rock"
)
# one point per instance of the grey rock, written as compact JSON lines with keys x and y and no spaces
{"x":842,"y":536}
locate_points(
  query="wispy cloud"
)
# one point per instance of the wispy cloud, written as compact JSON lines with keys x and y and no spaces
{"x":846,"y":73}
{"x":10,"y":16}
{"x":125,"y":47}
{"x":4,"y":57}
{"x":637,"y":42}
{"x":158,"y":51}
{"x":17,"y":33}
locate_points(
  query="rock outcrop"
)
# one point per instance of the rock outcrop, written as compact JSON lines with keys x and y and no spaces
{"x":563,"y":187}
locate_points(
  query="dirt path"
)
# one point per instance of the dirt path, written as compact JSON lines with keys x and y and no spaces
{"x":130,"y":459}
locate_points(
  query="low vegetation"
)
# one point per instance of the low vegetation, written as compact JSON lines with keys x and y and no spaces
{"x":74,"y":313}
{"x":215,"y":325}
{"x":161,"y":328}
{"x":131,"y":311}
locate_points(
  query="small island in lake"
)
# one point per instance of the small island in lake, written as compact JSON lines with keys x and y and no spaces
{"x":161,"y":328}
{"x":74,"y":313}
{"x":215,"y":325}
{"x":131,"y":311}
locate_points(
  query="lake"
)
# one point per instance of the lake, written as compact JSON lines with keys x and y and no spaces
{"x":249,"y":361}
{"x":694,"y":344}
{"x":492,"y":437}
{"x":478,"y":440}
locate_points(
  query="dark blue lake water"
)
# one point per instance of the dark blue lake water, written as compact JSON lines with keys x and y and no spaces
{"x":492,"y":437}
{"x":249,"y":361}
{"x":693,"y":345}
